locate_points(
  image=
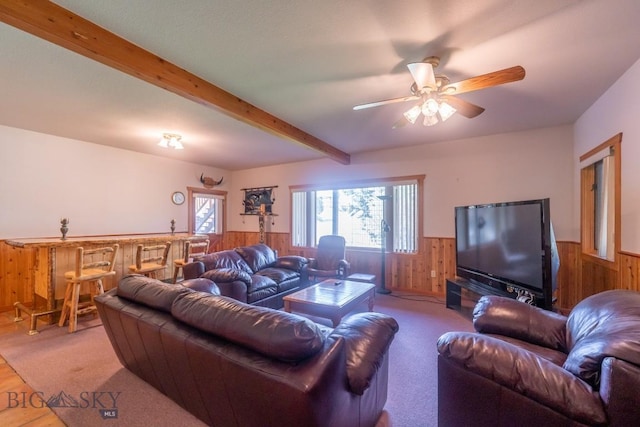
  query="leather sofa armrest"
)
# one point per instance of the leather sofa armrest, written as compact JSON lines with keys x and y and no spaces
{"x":192,"y":270}
{"x":201,"y":285}
{"x":619,"y":385}
{"x":523,"y":372}
{"x":291,"y":262}
{"x":367,"y":337}
{"x":505,"y":316}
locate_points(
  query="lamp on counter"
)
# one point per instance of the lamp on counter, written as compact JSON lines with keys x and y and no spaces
{"x":171,"y":140}
{"x":384,"y":229}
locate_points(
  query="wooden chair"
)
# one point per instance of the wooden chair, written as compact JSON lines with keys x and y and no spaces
{"x":91,"y":267}
{"x":150,"y":259}
{"x":193,"y":248}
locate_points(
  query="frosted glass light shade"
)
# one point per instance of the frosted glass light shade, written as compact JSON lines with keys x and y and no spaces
{"x":446,"y":111}
{"x":412,"y":114}
{"x":430,"y":107}
{"x":430,"y":120}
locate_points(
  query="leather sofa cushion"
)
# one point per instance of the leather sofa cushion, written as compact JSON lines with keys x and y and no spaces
{"x":259,"y":282}
{"x":276,"y":334}
{"x":221,"y":275}
{"x":150,"y":292}
{"x":278,"y":275}
{"x":603,"y":325}
{"x":258,"y":256}
{"x":225,"y":259}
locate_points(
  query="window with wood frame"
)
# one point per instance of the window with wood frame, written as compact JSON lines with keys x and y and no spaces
{"x":600,"y":179}
{"x":356,"y":210}
{"x":206,"y":210}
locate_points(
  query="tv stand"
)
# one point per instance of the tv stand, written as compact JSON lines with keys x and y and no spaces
{"x":463,"y":294}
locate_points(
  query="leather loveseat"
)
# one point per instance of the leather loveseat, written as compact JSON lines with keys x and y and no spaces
{"x":234,"y":364}
{"x":529,"y":367}
{"x":251,"y":274}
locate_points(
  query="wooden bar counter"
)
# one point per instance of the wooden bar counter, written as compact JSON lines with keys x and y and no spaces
{"x":32,"y":270}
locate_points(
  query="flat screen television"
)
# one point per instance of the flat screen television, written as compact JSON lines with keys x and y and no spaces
{"x":509,"y":247}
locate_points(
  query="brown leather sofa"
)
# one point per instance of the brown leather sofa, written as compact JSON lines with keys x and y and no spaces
{"x":251,"y":274}
{"x":531,"y":367}
{"x":234,"y":364}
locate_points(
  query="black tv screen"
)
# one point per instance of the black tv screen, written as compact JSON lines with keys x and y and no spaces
{"x":504,"y":244}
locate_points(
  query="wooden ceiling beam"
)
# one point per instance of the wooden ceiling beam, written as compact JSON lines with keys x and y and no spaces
{"x":60,"y":26}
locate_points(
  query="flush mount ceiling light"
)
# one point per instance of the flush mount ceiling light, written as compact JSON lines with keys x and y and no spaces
{"x":171,"y":140}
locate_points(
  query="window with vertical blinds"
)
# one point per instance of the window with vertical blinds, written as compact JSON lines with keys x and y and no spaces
{"x":357,"y":213}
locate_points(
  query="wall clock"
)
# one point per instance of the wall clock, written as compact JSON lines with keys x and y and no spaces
{"x":177,"y":197}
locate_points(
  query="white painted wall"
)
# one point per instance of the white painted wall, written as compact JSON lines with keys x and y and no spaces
{"x":514,"y":166}
{"x":103,"y":190}
{"x":616,"y":111}
{"x":106,"y":190}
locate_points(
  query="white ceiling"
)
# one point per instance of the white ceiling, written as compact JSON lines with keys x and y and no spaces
{"x":309,"y":62}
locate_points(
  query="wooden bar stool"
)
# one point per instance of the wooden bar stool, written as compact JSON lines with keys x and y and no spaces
{"x":150,"y":259}
{"x":193,"y":248}
{"x":91,"y":267}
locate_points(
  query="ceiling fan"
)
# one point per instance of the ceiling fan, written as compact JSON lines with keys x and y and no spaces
{"x":436,"y":95}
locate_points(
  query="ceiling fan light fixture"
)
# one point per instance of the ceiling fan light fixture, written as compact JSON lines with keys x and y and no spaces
{"x":430,"y":120}
{"x":412,"y":114}
{"x":446,"y":111}
{"x":430,"y":107}
{"x":171,"y":140}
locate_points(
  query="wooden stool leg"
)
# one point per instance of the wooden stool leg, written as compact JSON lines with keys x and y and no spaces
{"x":65,"y":305}
{"x":73,"y":312}
{"x":176,"y":270}
{"x":98,"y":290}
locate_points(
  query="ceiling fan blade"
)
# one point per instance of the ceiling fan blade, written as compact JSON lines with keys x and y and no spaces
{"x":423,"y":75}
{"x":463,"y":107}
{"x":484,"y":81}
{"x":400,"y":123}
{"x":386,"y":101}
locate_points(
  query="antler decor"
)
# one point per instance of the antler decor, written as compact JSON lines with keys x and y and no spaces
{"x":209,"y":182}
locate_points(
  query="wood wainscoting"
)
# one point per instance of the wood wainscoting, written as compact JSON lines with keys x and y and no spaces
{"x":413,"y":272}
{"x":405,"y":272}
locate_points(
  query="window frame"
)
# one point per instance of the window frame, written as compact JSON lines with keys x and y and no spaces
{"x":191,"y":221}
{"x":362,"y":183}
{"x":588,"y":200}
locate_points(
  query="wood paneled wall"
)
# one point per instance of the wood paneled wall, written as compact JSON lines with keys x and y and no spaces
{"x":18,"y":268}
{"x":413,"y":272}
{"x":421,"y":273}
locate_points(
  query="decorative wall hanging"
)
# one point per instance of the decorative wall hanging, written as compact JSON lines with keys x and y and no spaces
{"x":259,"y":201}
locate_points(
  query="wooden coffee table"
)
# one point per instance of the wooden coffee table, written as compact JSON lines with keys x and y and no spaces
{"x":330,"y":299}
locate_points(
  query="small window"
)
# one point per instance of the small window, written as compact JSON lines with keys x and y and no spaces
{"x":206,"y":211}
{"x":600,"y":194}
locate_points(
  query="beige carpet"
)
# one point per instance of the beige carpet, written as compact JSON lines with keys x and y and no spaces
{"x":80,"y":371}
